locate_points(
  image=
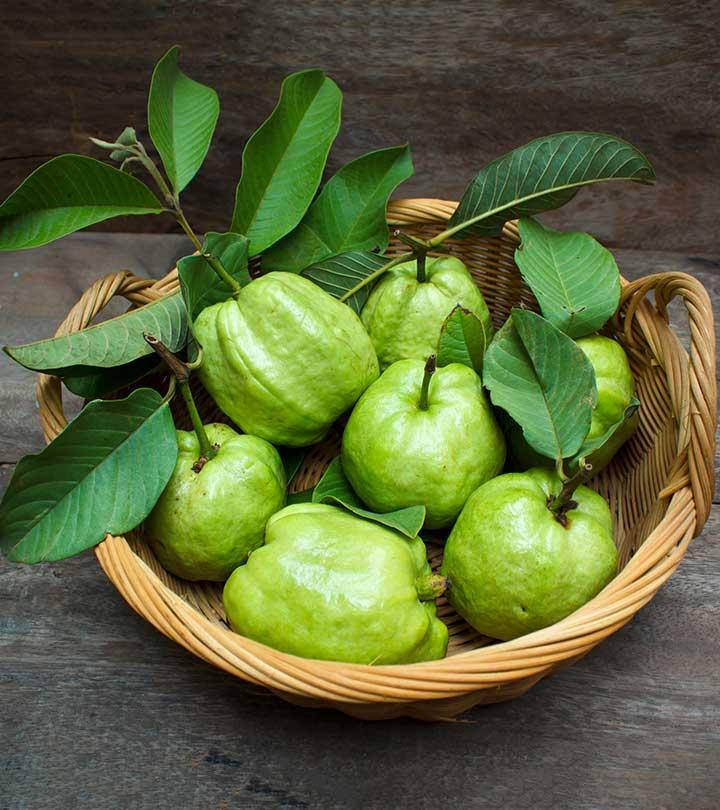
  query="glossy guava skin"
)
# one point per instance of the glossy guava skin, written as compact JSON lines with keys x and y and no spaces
{"x":333,"y":586}
{"x":284,"y":359}
{"x":513,"y":568}
{"x":396,"y":455}
{"x":404,"y":316}
{"x":615,"y":388}
{"x":206,"y":523}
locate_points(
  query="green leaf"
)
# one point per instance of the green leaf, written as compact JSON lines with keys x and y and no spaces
{"x":292,"y":459}
{"x":299,"y":497}
{"x":334,"y":487}
{"x":97,"y":382}
{"x":574,"y":278}
{"x":341,"y":273}
{"x":111,"y":343}
{"x":182,"y":114}
{"x":543,"y":175}
{"x":544,"y":381}
{"x":284,"y":159}
{"x":348,"y":215}
{"x":591,"y":445}
{"x":66,"y":194}
{"x":463,"y":339}
{"x":200,"y":284}
{"x":102,"y":474}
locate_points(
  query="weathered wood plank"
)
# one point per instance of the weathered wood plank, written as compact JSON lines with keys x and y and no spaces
{"x":463,"y":86}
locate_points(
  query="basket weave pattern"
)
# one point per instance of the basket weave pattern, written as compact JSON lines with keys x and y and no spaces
{"x":659,"y":487}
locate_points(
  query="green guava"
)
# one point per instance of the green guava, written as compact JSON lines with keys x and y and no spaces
{"x":284,"y":359}
{"x":330,"y":585}
{"x":615,"y":388}
{"x":206,"y":523}
{"x":513,"y":567}
{"x":404,"y":316}
{"x":396,"y":453}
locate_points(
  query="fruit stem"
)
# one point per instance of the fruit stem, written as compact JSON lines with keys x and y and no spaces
{"x":421,"y":266}
{"x":182,"y":374}
{"x":430,"y":367}
{"x":430,"y":586}
{"x":561,"y":504}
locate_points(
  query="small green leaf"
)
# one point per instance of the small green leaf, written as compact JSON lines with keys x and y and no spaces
{"x":199,"y":283}
{"x":463,"y":339}
{"x":66,"y":194}
{"x":334,"y":487}
{"x":574,"y":278}
{"x":284,"y":159}
{"x":111,"y":343}
{"x":348,"y":215}
{"x":97,"y":382}
{"x":542,"y":175}
{"x":182,"y":115}
{"x":300,"y":497}
{"x":341,"y":273}
{"x":102,"y":474}
{"x":544,"y":381}
{"x":591,"y":445}
{"x":292,"y":459}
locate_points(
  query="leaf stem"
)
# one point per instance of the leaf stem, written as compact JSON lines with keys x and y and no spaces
{"x":430,"y":367}
{"x":562,"y":503}
{"x":181,"y":373}
{"x":403,"y":257}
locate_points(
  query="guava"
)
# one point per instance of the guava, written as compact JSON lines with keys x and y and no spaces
{"x":212,"y":514}
{"x":404,"y":316}
{"x":514,"y":566}
{"x":284,"y":359}
{"x":422,"y":437}
{"x":330,"y":585}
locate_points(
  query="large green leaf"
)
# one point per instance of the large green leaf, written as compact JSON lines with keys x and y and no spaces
{"x":334,"y":487}
{"x":284,"y":159}
{"x":68,"y":193}
{"x":542,"y":175}
{"x":348,"y":215}
{"x":463,"y":339}
{"x":544,"y":381}
{"x":102,"y":474}
{"x":201,"y":287}
{"x":182,"y":114}
{"x":111,"y":343}
{"x":574,"y":278}
{"x":340,"y":274}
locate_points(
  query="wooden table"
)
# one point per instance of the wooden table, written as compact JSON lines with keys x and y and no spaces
{"x":98,"y":710}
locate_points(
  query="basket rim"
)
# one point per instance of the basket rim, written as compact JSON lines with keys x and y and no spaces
{"x":686,"y":502}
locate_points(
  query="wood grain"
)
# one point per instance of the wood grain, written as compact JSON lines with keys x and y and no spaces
{"x":462,"y":85}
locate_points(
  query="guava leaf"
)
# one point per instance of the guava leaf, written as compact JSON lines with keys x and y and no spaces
{"x":544,"y":381}
{"x":283,"y":161}
{"x":102,"y":474}
{"x":334,"y":487}
{"x":574,"y":278}
{"x":110,"y":343}
{"x":182,"y":115}
{"x":348,"y":215}
{"x":543,"y":175}
{"x":292,"y":459}
{"x":463,"y":339}
{"x":66,"y":194}
{"x":591,"y":445}
{"x":199,"y":283}
{"x":97,"y":382}
{"x":340,"y":274}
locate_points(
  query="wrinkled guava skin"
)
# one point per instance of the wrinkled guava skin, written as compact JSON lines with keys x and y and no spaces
{"x":396,"y":455}
{"x":404,"y":316}
{"x":513,"y":568}
{"x":206,"y":523}
{"x":330,"y":585}
{"x":284,"y":359}
{"x":615,"y":387}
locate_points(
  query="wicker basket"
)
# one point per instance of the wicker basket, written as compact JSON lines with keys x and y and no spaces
{"x":660,"y":489}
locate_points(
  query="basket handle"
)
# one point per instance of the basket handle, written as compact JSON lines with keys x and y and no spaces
{"x":136,"y":290}
{"x":700,"y":385}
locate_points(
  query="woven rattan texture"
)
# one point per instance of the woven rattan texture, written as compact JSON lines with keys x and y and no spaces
{"x":659,"y":487}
